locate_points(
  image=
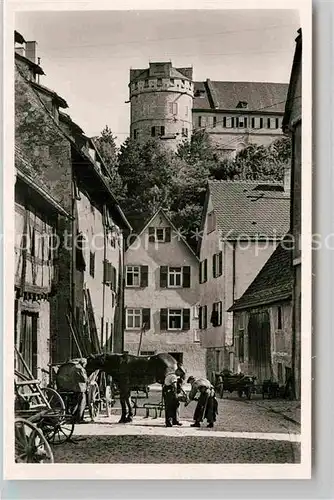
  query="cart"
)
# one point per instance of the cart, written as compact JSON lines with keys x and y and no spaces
{"x":242,"y":384}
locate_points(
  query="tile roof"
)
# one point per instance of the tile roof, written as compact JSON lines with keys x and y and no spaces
{"x":250,"y":209}
{"x":227,"y":95}
{"x":181,"y":73}
{"x":274,"y":282}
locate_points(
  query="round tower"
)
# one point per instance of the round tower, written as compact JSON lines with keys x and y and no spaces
{"x":161,"y":100}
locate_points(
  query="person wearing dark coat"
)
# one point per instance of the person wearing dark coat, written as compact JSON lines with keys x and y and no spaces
{"x":170,"y":396}
{"x":207,"y":404}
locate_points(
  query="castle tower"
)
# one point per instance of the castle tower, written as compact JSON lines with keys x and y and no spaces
{"x":161,"y":103}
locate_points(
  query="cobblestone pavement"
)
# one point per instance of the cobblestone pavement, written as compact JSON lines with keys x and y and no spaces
{"x":245,"y":432}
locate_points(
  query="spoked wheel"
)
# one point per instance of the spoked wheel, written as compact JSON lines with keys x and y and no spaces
{"x":31,"y":445}
{"x":94,"y":400}
{"x":57,"y":426}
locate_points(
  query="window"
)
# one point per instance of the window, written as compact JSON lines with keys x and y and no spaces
{"x":133,"y":276}
{"x":173,"y":108}
{"x":200,"y":121}
{"x":279,"y":318}
{"x":182,"y":83}
{"x":224,"y":122}
{"x":135,"y":134}
{"x":214,"y":121}
{"x":92,"y":264}
{"x":172,"y":81}
{"x":146,"y":83}
{"x":261,"y":122}
{"x":242,"y":123}
{"x":203,"y":271}
{"x":133,"y":319}
{"x":217,"y":314}
{"x":253,"y":122}
{"x":211,"y":223}
{"x":174,"y":319}
{"x":185,"y":132}
{"x":174,"y":277}
{"x":159,"y":234}
{"x":268,"y":122}
{"x":159,"y":82}
{"x":157,"y":131}
{"x":217,"y":264}
{"x":276,"y":123}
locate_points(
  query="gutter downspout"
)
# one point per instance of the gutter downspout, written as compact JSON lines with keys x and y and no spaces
{"x":73,"y":259}
{"x":103,"y":277}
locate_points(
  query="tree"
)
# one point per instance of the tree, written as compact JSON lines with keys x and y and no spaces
{"x":106,"y":145}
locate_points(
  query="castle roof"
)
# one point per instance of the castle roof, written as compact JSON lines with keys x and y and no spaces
{"x":167,"y":68}
{"x":253,"y":96}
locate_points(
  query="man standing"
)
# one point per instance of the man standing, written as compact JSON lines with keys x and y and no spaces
{"x":207,"y":405}
{"x":170,"y":396}
{"x":73,"y":377}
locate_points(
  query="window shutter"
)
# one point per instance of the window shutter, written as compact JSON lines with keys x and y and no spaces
{"x":143,"y":276}
{"x":112,"y":272}
{"x":146,"y":315}
{"x":205,"y":270}
{"x":153,"y":131}
{"x":186,"y":277}
{"x":186,"y":319}
{"x":168,"y":234}
{"x":200,"y":319}
{"x":105,"y":271}
{"x":200,"y":272}
{"x":151,"y":234}
{"x":220,"y":263}
{"x":214,"y":270}
{"x":162,"y":128}
{"x":205,"y":317}
{"x":163,"y":276}
{"x":220,"y":313}
{"x":214,"y":315}
{"x":163,"y":319}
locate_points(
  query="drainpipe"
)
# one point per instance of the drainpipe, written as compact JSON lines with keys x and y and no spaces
{"x":233,"y":294}
{"x":73,"y":260}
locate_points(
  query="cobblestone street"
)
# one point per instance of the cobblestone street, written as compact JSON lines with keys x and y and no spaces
{"x":245,"y":432}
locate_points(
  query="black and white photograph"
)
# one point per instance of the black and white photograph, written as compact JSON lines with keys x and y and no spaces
{"x":159,"y":177}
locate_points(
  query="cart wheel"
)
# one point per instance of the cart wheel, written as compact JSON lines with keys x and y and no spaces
{"x":94,"y":400}
{"x":60,"y":431}
{"x":31,"y":445}
{"x":55,"y":400}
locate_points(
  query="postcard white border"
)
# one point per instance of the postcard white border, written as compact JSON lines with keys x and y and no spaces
{"x":157,"y":471}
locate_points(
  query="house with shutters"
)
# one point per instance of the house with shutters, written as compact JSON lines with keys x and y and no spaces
{"x":242,"y":223}
{"x":161,"y":295}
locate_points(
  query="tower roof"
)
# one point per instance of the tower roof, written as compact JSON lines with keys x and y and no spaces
{"x":161,"y":70}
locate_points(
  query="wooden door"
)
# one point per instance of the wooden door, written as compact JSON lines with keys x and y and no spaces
{"x":28,"y":342}
{"x":259,"y":355}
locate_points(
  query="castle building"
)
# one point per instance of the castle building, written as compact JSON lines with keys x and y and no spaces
{"x":161,"y":100}
{"x":167,"y":104}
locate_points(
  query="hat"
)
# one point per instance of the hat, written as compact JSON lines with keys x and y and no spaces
{"x":190,"y":379}
{"x":170,"y":379}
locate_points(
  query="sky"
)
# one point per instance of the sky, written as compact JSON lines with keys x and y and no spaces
{"x":87,"y":56}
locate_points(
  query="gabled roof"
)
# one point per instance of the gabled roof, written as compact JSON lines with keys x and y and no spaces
{"x":296,"y":69}
{"x":177,"y":233}
{"x":250,"y":209}
{"x":59,"y":100}
{"x":274,"y":282}
{"x":270,"y":97}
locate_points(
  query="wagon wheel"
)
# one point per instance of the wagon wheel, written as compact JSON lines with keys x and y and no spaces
{"x":31,"y":445}
{"x":94,"y":400}
{"x":57,"y":426}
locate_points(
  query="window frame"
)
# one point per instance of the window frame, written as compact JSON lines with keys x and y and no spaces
{"x":133,"y":315}
{"x":175,"y":274}
{"x":174,"y":315}
{"x":126,"y":275}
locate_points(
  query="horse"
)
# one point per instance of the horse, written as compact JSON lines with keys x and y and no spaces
{"x":129,"y":371}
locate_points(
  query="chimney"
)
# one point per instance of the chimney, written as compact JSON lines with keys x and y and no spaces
{"x":287,"y":180}
{"x":31,"y":51}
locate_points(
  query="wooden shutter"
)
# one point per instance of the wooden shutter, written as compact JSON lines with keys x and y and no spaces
{"x":205,"y":270}
{"x":200,"y":272}
{"x":153,"y":131}
{"x":214,"y":315}
{"x":200,"y":319}
{"x":220,"y":313}
{"x":205,"y":325}
{"x":163,"y":276}
{"x":186,"y":277}
{"x":146,"y":315}
{"x":113,"y":274}
{"x":143,"y":276}
{"x":186,"y":319}
{"x":220,"y":263}
{"x":151,"y":234}
{"x":163,"y":319}
{"x":214,"y":268}
{"x":168,"y":234}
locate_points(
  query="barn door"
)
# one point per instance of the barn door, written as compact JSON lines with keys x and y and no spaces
{"x":259,"y":356}
{"x":28,"y":342}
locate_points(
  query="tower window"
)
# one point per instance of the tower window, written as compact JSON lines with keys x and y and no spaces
{"x":261,"y":122}
{"x":172,"y":81}
{"x":135,"y":134}
{"x":253,"y":122}
{"x":214,"y":121}
{"x":277,"y":122}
